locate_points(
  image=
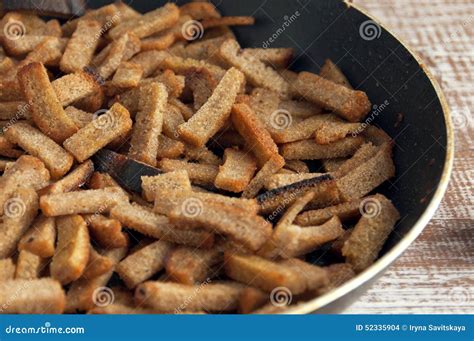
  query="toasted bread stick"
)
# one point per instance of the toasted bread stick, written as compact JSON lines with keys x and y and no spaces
{"x":40,"y":239}
{"x":167,"y":200}
{"x":236,"y":172}
{"x":169,"y":148}
{"x":349,"y":104}
{"x":106,"y":232}
{"x":86,"y":293}
{"x":7,"y":269}
{"x":202,"y":155}
{"x":148,"y":123}
{"x":334,"y":131}
{"x":80,"y":202}
{"x":48,"y":52}
{"x":279,"y":241}
{"x":72,"y":252}
{"x":109,"y":14}
{"x":72,"y":181}
{"x":302,"y":130}
{"x":38,"y":296}
{"x":251,"y":231}
{"x":128,"y":75}
{"x":199,"y":174}
{"x":98,"y":133}
{"x":280,"y":180}
{"x":363,"y":154}
{"x":276,"y":57}
{"x":310,"y":150}
{"x":151,"y":185}
{"x":344,"y":211}
{"x":262,"y":273}
{"x":19,"y":210}
{"x":115,"y":56}
{"x":254,"y":132}
{"x":338,"y":274}
{"x":144,"y":263}
{"x":97,"y":265}
{"x":47,"y":111}
{"x":313,"y":276}
{"x":56,"y":159}
{"x":80,"y":48}
{"x":296,"y":241}
{"x":251,"y":299}
{"x":29,"y":265}
{"x":370,"y":233}
{"x":331,"y":71}
{"x":213,"y":114}
{"x":299,"y":108}
{"x":150,"y":224}
{"x":257,"y":73}
{"x":149,"y":23}
{"x":7,"y":148}
{"x":273,"y":165}
{"x":370,"y":174}
{"x":26,"y":172}
{"x":199,"y":10}
{"x":177,"y":297}
{"x":73,"y":87}
{"x":276,"y":200}
{"x":193,"y":266}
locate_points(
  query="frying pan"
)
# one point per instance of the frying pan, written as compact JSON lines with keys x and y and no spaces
{"x":408,"y":105}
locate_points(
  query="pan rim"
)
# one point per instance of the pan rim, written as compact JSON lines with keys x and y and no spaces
{"x":381,"y":265}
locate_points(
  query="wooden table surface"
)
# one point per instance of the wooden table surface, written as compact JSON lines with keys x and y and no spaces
{"x":436,"y":274}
